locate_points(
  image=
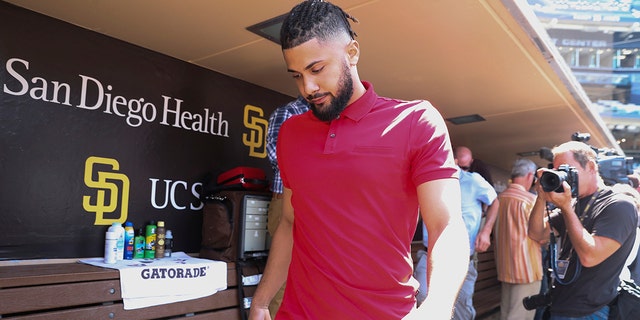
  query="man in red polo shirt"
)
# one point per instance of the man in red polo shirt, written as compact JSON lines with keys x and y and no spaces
{"x":355,"y":171}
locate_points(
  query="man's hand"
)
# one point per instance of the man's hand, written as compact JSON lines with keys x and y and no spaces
{"x":561,"y":200}
{"x":483,"y":241}
{"x":259,"y":313}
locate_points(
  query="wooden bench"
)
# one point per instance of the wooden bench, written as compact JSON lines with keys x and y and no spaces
{"x":487,"y":292}
{"x":67,"y":291}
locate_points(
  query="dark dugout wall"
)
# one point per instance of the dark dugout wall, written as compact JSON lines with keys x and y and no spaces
{"x":95,"y":130}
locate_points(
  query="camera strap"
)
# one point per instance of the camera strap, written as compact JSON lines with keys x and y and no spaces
{"x":586,"y":212}
{"x":585,"y":216}
{"x":561,"y":266}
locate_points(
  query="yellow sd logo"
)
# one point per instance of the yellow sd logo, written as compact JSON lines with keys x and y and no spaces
{"x":103,"y":186}
{"x":256,"y":138}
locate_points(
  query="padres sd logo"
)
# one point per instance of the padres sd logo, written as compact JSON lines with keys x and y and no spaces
{"x":107,"y":192}
{"x":256,"y":139}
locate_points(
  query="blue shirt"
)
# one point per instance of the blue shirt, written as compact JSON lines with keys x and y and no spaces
{"x":276,"y":120}
{"x":475,"y":191}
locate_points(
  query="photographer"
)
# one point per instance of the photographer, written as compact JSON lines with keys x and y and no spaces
{"x":595,"y":233}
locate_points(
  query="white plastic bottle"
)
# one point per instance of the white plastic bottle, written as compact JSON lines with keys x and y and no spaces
{"x":119,"y":230}
{"x":110,"y":247}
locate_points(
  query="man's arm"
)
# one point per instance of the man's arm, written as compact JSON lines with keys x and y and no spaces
{"x":448,"y":263}
{"x":483,"y":240}
{"x":538,"y":229}
{"x":591,"y":249}
{"x":275,"y":273}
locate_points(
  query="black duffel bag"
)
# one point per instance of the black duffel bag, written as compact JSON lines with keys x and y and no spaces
{"x":627,"y":304}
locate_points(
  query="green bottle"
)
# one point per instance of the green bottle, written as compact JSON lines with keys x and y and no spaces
{"x":150,"y":241}
{"x":138,"y":245}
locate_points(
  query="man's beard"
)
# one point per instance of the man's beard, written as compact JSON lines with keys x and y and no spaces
{"x":332,"y":110}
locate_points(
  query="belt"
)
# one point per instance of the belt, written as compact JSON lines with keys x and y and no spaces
{"x":277,"y":195}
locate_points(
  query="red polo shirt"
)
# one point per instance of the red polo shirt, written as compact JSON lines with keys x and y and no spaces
{"x":354,"y":185}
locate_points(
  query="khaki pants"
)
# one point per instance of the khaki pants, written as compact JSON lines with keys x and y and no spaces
{"x":511,"y":306}
{"x":273,"y":218}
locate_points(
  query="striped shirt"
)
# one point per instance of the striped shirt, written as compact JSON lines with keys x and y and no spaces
{"x":518,"y":258}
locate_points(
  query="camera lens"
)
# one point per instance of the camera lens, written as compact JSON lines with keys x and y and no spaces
{"x":552,"y":180}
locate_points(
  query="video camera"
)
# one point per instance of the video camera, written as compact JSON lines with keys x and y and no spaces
{"x":614,"y":168}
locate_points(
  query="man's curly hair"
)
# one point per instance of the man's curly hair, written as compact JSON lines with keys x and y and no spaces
{"x":314,"y":19}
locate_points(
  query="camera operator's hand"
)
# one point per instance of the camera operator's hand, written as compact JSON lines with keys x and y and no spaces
{"x":561,"y":200}
{"x":537,"y":186}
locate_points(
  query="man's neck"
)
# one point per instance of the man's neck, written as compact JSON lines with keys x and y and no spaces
{"x":591,"y":189}
{"x":358,"y":90}
{"x":521,"y":181}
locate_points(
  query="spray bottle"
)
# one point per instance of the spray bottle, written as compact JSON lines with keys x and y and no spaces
{"x":138,"y":245}
{"x":129,"y":235}
{"x":150,"y":241}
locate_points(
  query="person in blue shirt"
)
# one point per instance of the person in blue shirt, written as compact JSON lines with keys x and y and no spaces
{"x":478,"y":196}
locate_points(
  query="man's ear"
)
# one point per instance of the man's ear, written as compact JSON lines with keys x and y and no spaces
{"x":592,"y":164}
{"x":353,"y":52}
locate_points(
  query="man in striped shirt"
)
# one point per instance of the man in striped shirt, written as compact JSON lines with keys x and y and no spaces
{"x":518,"y":258}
